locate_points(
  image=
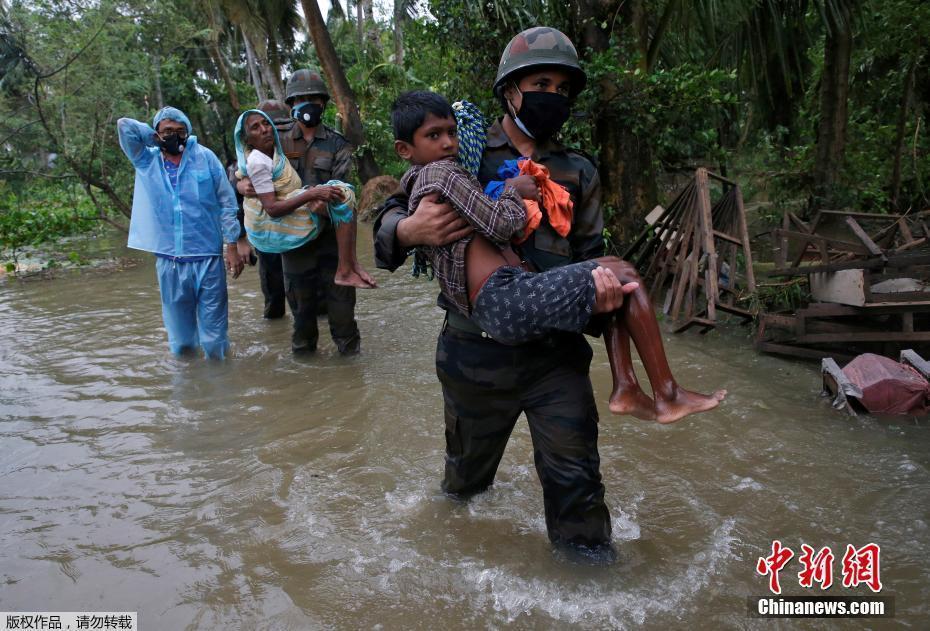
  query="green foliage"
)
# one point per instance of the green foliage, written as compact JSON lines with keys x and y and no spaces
{"x":780,"y":297}
{"x":888,"y":38}
{"x":728,"y":83}
{"x":42,"y":213}
{"x":679,"y":109}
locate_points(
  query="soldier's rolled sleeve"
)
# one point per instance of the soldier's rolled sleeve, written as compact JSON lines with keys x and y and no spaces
{"x":389,"y":254}
{"x":587,"y":235}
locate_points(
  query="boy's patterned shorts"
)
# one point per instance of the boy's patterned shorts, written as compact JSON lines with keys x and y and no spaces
{"x":516,"y":306}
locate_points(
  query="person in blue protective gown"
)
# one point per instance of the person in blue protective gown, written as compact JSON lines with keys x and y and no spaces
{"x":183,"y":209}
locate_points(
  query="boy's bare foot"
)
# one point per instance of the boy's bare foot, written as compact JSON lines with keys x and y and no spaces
{"x":633,"y":401}
{"x":685,"y":402}
{"x":357,"y":278}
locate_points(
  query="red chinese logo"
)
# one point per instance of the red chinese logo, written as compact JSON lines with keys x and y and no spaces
{"x":861,"y":566}
{"x":773,"y":564}
{"x":817,"y":567}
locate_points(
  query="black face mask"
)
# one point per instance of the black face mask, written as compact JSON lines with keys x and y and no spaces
{"x":542,"y":114}
{"x":173,"y":144}
{"x":310,"y":114}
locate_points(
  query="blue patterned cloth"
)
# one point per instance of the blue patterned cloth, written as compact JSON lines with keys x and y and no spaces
{"x":472,"y":132}
{"x":515,"y":306}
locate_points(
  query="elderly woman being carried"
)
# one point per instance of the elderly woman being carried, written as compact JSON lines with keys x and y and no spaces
{"x":283,"y":215}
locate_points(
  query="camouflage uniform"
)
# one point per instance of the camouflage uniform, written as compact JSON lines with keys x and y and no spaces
{"x":486,"y":385}
{"x":328,"y":156}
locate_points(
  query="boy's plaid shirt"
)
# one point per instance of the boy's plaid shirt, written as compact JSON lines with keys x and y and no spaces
{"x":498,"y":220}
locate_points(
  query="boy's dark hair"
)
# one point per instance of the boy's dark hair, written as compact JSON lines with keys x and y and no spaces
{"x":409,"y":110}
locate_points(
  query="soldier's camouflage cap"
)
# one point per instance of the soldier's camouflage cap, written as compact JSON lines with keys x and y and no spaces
{"x":540,"y":46}
{"x":279,"y":113}
{"x":305,"y":82}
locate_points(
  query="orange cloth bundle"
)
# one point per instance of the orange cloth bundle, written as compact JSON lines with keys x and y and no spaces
{"x":555,"y":199}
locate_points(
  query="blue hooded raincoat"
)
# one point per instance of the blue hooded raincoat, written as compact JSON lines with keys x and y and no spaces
{"x":189,"y":220}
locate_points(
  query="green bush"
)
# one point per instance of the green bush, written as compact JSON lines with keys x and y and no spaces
{"x":39,"y":214}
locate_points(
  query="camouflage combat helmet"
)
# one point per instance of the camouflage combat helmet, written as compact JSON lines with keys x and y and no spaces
{"x":305,"y":82}
{"x":279,"y":113}
{"x":540,"y":46}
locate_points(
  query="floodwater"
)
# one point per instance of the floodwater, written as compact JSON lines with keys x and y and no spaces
{"x":269,"y":492}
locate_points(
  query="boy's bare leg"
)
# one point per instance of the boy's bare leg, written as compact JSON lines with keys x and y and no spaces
{"x":627,"y":396}
{"x":672,"y":402}
{"x":348,"y":270}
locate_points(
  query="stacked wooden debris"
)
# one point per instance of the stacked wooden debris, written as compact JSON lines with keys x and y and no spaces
{"x":698,"y":254}
{"x":869,"y":277}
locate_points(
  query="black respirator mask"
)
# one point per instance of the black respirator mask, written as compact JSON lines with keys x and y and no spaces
{"x":542,"y":114}
{"x":173,"y":144}
{"x":310,"y":114}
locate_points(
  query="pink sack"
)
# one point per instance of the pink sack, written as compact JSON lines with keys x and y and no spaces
{"x":887,"y":386}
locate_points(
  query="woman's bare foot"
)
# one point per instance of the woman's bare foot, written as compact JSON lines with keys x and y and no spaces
{"x":355,"y":277}
{"x":685,"y":402}
{"x":632,"y":400}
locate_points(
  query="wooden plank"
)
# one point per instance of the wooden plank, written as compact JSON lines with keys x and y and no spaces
{"x":850,"y":213}
{"x":726,"y":237}
{"x":782,"y":321}
{"x":886,"y":236}
{"x":838,"y":385}
{"x":799,"y":351}
{"x":874,"y":336}
{"x":913,"y":244}
{"x":864,"y":237}
{"x":707,"y":228}
{"x":704,"y":323}
{"x":803,"y":227}
{"x":720,"y":178}
{"x":747,"y":316}
{"x":872,"y":263}
{"x":743,"y":230}
{"x":679,"y":257}
{"x":911,"y":358}
{"x":821,"y":240}
{"x":681,"y":281}
{"x":916,"y":305}
{"x":664,"y":257}
{"x":909,"y":297}
{"x":781,"y":245}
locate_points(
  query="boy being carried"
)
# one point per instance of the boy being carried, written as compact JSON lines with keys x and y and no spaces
{"x":485,"y":280}
{"x":282,"y":215}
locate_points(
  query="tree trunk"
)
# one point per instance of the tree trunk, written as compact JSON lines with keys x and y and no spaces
{"x":156,"y":68}
{"x":359,"y":26}
{"x":256,"y":78}
{"x":217,"y":57}
{"x":628,"y":180}
{"x":399,"y":32}
{"x":899,"y":136}
{"x":342,"y":91}
{"x":274,"y":66}
{"x":371,"y":30}
{"x":834,"y":94}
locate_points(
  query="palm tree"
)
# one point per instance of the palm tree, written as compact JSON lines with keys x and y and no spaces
{"x":343,"y":95}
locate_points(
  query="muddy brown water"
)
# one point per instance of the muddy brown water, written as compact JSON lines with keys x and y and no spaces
{"x":269,"y":492}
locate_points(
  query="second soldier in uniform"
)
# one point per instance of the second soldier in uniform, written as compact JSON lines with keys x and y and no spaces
{"x":319,"y":154}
